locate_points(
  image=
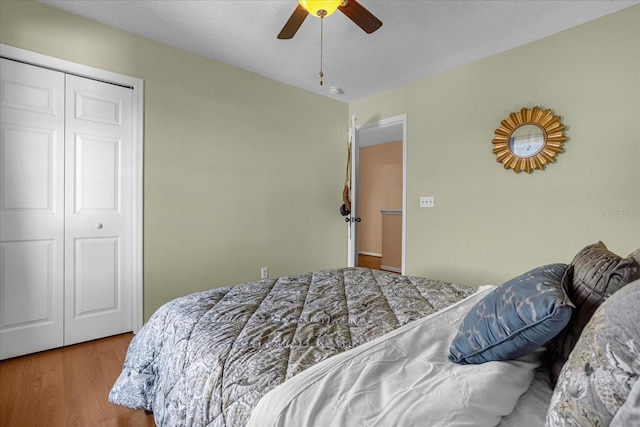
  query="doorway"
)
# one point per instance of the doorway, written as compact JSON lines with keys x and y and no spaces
{"x":378,"y":227}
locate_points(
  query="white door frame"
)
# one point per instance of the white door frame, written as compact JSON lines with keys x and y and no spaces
{"x":400,"y":119}
{"x":137,"y":85}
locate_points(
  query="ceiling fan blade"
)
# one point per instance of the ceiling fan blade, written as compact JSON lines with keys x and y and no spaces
{"x":295,"y":20}
{"x":360,"y":16}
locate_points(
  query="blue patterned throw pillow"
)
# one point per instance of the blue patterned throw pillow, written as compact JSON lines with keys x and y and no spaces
{"x":516,"y":318}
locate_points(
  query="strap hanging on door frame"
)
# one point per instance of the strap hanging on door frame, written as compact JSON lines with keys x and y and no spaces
{"x":345,"y":209}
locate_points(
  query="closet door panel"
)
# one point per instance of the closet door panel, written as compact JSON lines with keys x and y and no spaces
{"x":99,"y":204}
{"x":27,"y":270}
{"x":28,"y":166}
{"x":97,"y":186}
{"x":31,"y":208}
{"x":97,"y":283}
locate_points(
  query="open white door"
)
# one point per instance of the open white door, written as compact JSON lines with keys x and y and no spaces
{"x":353,"y":219}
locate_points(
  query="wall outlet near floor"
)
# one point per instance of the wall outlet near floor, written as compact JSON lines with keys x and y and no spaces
{"x":427,"y":201}
{"x":264,"y":272}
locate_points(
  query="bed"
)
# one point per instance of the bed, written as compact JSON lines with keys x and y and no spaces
{"x":346,"y":347}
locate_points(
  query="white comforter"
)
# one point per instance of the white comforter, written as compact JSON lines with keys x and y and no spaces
{"x":403,"y":378}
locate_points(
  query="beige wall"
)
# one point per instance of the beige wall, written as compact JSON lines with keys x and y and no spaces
{"x":237,"y":174}
{"x":380,"y":187}
{"x":488,"y":223}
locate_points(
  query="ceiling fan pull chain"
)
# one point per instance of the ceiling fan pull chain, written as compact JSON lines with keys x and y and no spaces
{"x":321,"y":73}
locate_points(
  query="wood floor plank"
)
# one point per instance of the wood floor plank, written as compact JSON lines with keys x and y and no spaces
{"x":10,"y":378}
{"x":67,"y":387}
{"x":51,"y":397}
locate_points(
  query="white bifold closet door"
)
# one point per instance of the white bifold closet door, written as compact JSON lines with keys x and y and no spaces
{"x":65,"y":209}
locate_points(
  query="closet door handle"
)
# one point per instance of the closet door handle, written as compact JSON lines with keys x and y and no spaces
{"x":98,"y":226}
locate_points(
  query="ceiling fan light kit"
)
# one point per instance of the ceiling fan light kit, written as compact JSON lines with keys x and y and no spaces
{"x":320,"y":8}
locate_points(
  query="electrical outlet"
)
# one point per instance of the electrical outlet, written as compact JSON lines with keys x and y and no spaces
{"x":264,"y":272}
{"x":427,"y":201}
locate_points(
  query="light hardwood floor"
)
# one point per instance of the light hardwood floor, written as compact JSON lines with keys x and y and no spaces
{"x":67,"y":387}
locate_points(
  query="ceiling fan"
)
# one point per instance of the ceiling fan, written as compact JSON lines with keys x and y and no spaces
{"x":322,"y":8}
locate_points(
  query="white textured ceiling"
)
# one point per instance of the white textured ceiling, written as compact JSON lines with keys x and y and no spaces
{"x":417,"y":39}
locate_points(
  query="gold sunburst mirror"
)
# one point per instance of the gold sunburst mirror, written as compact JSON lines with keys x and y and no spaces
{"x":528,"y":139}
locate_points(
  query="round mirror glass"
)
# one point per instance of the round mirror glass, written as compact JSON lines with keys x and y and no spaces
{"x":526,"y":140}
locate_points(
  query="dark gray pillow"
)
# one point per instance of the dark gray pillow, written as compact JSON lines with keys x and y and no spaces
{"x":597,"y":274}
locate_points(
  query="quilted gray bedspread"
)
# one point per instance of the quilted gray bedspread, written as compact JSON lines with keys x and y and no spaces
{"x":207,"y":358}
